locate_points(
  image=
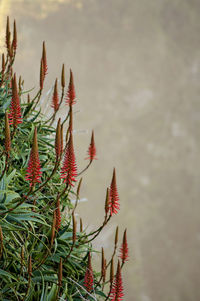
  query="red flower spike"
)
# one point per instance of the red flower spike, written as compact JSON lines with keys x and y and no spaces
{"x":89,"y":278}
{"x":44,"y":60}
{"x":114,"y":197}
{"x":92,"y":149}
{"x":34,"y":170}
{"x":124,"y":249}
{"x":15,"y":108}
{"x":55,"y":98}
{"x":14,"y":42}
{"x":117,"y":286}
{"x":71,"y":95}
{"x":69,"y":169}
{"x":58,"y":216}
{"x":7,"y":135}
{"x":41,"y":75}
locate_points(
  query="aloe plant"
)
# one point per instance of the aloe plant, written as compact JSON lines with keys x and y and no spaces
{"x":43,"y":254}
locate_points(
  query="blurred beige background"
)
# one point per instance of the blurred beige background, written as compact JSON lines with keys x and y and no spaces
{"x":136,"y":66}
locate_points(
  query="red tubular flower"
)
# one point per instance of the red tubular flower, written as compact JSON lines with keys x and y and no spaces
{"x":34,"y":170}
{"x":124,"y":249}
{"x":44,"y":60}
{"x":89,"y":278}
{"x":114,"y":197}
{"x":15,"y":108}
{"x":7,"y":135}
{"x":58,"y":216}
{"x":71,"y":95}
{"x":69,"y":169}
{"x":92,"y":149}
{"x":117,"y":286}
{"x":55,"y":98}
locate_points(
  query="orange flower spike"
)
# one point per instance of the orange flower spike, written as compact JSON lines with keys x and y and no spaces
{"x":92,"y":149}
{"x":8,"y":34}
{"x":61,"y":137}
{"x":114,"y":197}
{"x":112,"y":270}
{"x":71,"y":95}
{"x":14,"y":42}
{"x":58,"y":142}
{"x":44,"y":59}
{"x":7,"y":135}
{"x":107,"y":201}
{"x":63,"y":76}
{"x":55,"y":98}
{"x":3,"y":64}
{"x":41,"y":75}
{"x":124,"y":249}
{"x":116,"y":236}
{"x":70,"y":127}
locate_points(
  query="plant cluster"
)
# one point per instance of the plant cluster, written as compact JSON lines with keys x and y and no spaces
{"x":44,"y":254}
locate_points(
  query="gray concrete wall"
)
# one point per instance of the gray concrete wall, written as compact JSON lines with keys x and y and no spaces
{"x":136,"y":66}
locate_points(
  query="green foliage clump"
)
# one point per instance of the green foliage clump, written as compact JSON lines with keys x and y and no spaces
{"x":43,"y":254}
